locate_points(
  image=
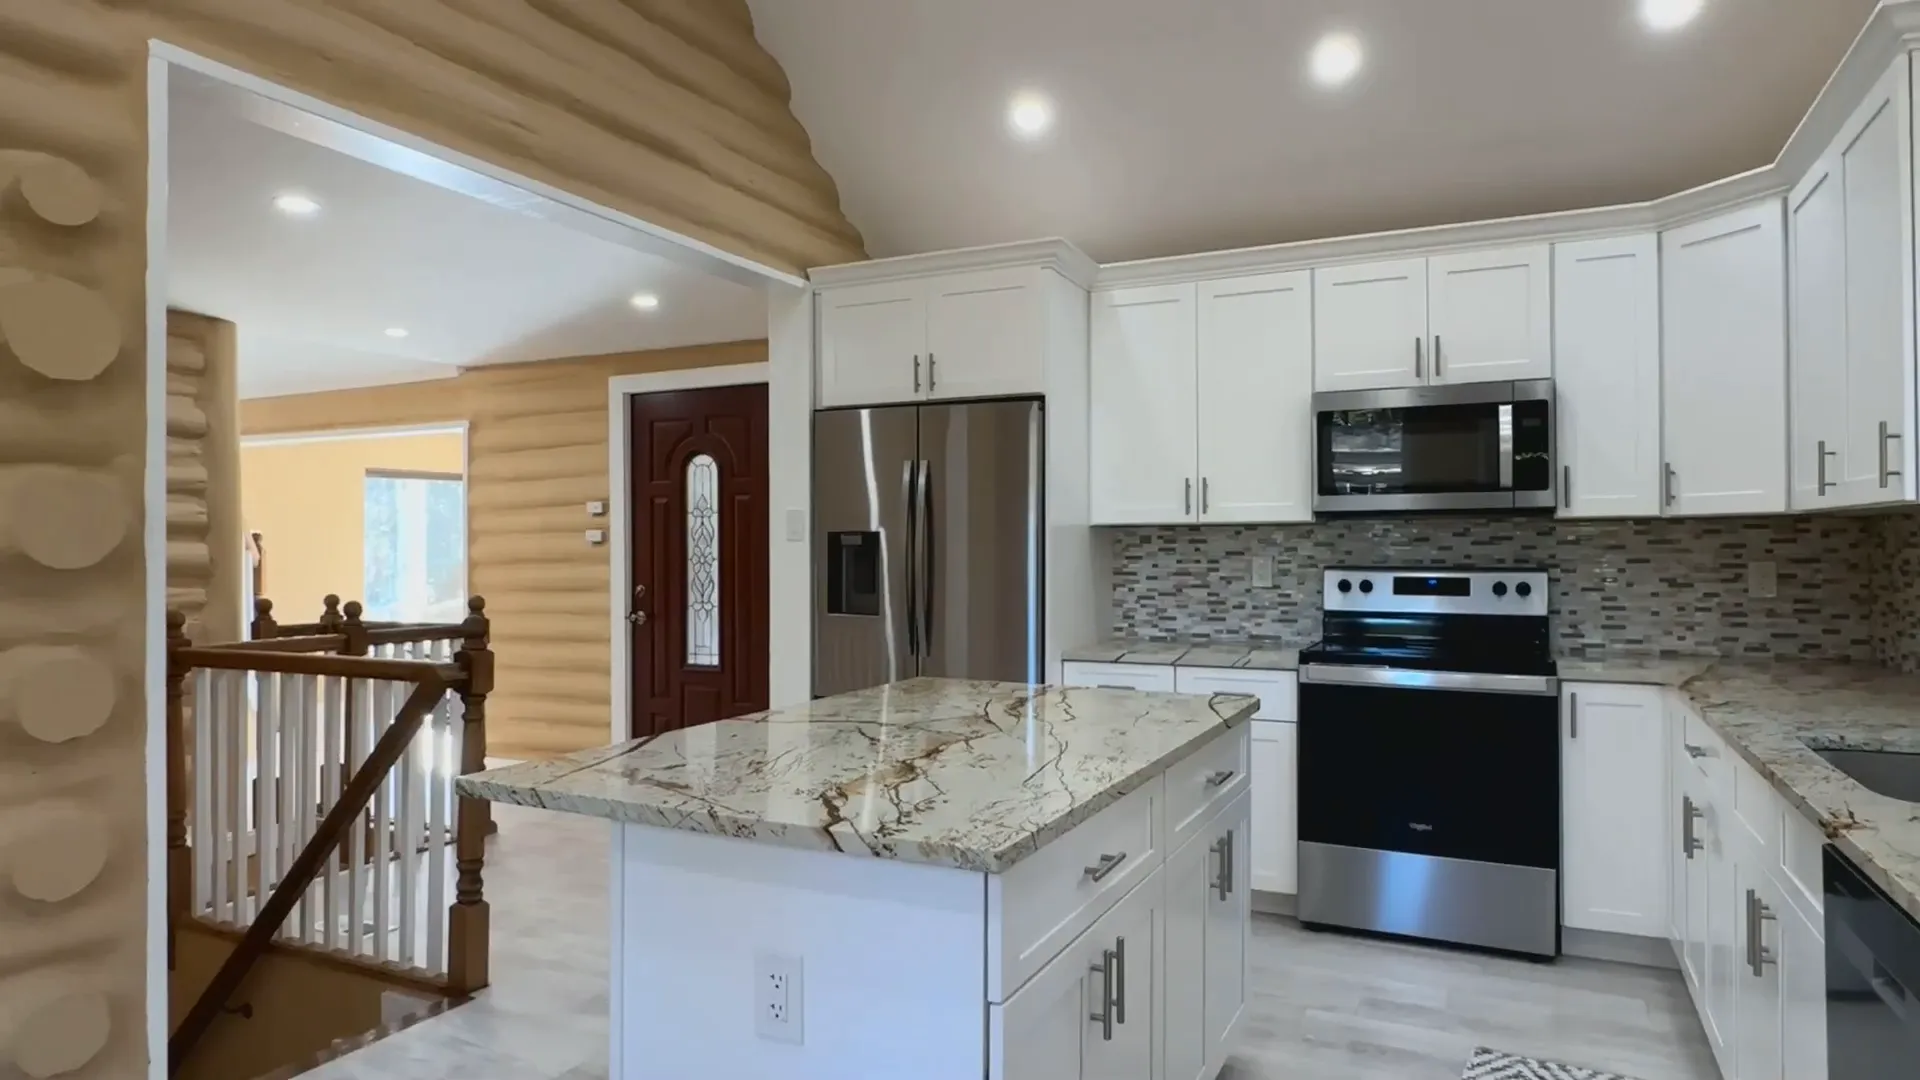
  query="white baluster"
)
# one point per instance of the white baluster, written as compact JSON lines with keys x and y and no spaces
{"x":437,"y":789}
{"x":334,"y":751}
{"x":205,"y":847}
{"x":219,"y":705}
{"x":307,"y":766}
{"x":237,"y":801}
{"x":383,"y":831}
{"x":362,"y":709}
{"x":408,"y":788}
{"x":266,"y":786}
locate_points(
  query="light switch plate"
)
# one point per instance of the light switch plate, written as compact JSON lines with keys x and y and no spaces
{"x":796,"y":525}
{"x":596,"y":536}
{"x":597,"y":508}
{"x":1763,"y":580}
{"x":1262,"y":571}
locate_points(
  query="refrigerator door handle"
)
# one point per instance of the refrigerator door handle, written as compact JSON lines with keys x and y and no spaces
{"x":926,"y":554}
{"x":909,"y":474}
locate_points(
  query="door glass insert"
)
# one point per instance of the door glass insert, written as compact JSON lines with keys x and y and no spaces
{"x":703,"y":561}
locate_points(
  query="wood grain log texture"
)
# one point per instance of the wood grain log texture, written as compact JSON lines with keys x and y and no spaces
{"x":537,"y":454}
{"x":668,"y":110}
{"x":73,"y":942}
{"x":205,"y":564}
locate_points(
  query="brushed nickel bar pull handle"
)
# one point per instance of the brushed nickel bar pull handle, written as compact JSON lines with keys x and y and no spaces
{"x":1669,"y":484}
{"x":1233,"y":867}
{"x":1689,"y":813}
{"x":1219,"y":847}
{"x":1821,"y":472}
{"x":1886,"y":472}
{"x":1695,"y":751}
{"x":1104,"y":1017}
{"x":916,"y":373}
{"x":1436,"y":356}
{"x":1189,"y":501}
{"x":1566,"y":486}
{"x":1105,"y":866}
{"x":1221,"y":777}
{"x":1117,"y":1004}
{"x":1762,"y":956}
{"x":1753,"y":933}
{"x":1573,"y":712}
{"x":1417,"y":343}
{"x":1206,"y":496}
{"x":932,"y":377}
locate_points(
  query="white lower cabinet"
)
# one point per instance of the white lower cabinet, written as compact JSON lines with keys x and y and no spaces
{"x":1274,"y":860}
{"x":1206,"y":932}
{"x":1151,"y":677}
{"x":1613,"y":783}
{"x":1089,"y":1012}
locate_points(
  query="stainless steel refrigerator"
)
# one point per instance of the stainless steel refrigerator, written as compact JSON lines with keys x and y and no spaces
{"x":928,"y":544}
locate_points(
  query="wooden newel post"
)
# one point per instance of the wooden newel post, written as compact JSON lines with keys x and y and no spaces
{"x":467,"y":929}
{"x":348,"y":624}
{"x":179,"y":856}
{"x":330,"y":619}
{"x":264,"y":628}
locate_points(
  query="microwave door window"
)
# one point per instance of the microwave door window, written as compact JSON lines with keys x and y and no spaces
{"x":1444,"y":448}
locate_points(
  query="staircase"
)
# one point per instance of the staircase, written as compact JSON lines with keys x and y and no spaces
{"x":323,"y":878}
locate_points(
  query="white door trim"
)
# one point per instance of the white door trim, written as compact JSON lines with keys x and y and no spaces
{"x":619,"y":521}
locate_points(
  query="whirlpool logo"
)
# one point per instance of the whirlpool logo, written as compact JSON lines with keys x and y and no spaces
{"x":1419,"y":826}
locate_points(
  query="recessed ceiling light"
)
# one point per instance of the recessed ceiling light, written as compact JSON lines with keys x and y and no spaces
{"x":1669,"y":14}
{"x":1335,"y":59}
{"x":1029,"y":114}
{"x":294,"y":204}
{"x":396,"y":331}
{"x":645,"y":301}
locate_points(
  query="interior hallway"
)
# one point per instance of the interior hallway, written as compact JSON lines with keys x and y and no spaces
{"x":1320,"y":1005}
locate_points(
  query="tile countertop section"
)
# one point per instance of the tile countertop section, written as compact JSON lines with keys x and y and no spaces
{"x":1774,"y":713}
{"x":976,"y":775}
{"x":1250,"y":655}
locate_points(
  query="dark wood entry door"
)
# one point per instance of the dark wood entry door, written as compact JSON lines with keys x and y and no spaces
{"x":698,"y":616}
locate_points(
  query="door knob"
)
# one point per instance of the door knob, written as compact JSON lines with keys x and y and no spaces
{"x":637,"y":616}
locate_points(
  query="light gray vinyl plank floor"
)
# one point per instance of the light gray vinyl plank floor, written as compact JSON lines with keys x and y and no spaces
{"x":1320,"y":1005}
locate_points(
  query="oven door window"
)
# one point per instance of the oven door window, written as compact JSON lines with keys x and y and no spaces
{"x":1428,"y":449}
{"x":1453,"y":774}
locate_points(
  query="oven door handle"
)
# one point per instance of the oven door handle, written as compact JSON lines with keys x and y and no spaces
{"x":1409,"y":679}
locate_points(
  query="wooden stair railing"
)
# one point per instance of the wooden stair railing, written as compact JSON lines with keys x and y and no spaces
{"x":300,"y":650}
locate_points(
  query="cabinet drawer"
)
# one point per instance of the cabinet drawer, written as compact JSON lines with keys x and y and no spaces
{"x":1278,"y":691}
{"x":1156,"y":677}
{"x":1706,"y":749}
{"x":1036,"y":908}
{"x":1200,"y":785}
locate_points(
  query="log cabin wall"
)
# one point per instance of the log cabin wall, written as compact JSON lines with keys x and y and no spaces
{"x":536,"y":455}
{"x":668,"y":110}
{"x":204,"y":552}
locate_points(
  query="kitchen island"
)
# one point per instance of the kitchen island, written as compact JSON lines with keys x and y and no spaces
{"x":936,"y":878}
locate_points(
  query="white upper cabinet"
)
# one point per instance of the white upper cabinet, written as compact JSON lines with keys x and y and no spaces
{"x":1256,"y":398}
{"x":1817,"y":299}
{"x":1876,"y":163}
{"x":1723,"y":351}
{"x":1202,"y":402}
{"x":1614,"y":761}
{"x":1142,"y":385}
{"x":1370,"y":325}
{"x":1490,"y":315}
{"x":1606,"y":365}
{"x":986,"y":334}
{"x":872,"y":343}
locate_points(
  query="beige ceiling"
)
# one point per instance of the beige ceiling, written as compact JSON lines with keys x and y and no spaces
{"x":1191,"y":126}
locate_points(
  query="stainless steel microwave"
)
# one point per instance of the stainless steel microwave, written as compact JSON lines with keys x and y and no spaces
{"x":1472,"y":446}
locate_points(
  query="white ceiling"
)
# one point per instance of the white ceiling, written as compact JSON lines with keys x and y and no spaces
{"x":1192,"y":126}
{"x":472,"y":282}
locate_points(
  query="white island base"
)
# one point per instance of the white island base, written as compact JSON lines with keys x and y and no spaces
{"x":1050,"y":970}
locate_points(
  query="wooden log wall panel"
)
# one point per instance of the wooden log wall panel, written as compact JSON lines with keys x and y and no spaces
{"x":205,"y":565}
{"x":73,"y":966}
{"x":671,"y":112}
{"x":536,"y":455}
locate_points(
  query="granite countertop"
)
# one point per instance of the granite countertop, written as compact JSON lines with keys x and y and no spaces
{"x":976,"y":775}
{"x":1250,"y":655}
{"x":1774,"y":713}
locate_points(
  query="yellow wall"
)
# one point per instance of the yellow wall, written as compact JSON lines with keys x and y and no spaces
{"x":305,"y":500}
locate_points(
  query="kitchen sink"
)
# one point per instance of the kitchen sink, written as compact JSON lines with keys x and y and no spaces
{"x":1895,"y":775}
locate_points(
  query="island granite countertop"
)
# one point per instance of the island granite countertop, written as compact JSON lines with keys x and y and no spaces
{"x":976,"y":775}
{"x":1776,"y":713}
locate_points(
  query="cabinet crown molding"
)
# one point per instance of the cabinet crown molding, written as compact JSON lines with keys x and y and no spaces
{"x":1052,"y":254}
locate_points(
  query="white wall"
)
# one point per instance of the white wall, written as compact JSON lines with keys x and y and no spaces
{"x":789,"y":487}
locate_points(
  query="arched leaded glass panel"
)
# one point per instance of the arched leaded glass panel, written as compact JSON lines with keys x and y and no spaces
{"x":703,"y":561}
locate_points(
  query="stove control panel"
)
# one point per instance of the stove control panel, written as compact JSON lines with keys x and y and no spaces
{"x":1437,"y":592}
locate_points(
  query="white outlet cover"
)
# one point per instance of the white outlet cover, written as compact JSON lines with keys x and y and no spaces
{"x":779,"y":1013}
{"x":1262,"y":571}
{"x":1763,"y":580}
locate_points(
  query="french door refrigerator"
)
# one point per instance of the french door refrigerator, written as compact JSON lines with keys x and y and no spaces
{"x":928,"y":544}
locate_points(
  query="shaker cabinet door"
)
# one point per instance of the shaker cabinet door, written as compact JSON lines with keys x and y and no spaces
{"x":1490,"y":316}
{"x":1143,"y":424}
{"x":1370,"y":326}
{"x":986,"y":335}
{"x":1606,"y":366}
{"x":873,"y":344}
{"x":1614,"y":761}
{"x":1817,"y":301}
{"x":1256,"y":398}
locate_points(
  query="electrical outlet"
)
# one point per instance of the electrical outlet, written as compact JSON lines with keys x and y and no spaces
{"x":1763,"y":580}
{"x":777,"y":1012}
{"x":1262,"y":571}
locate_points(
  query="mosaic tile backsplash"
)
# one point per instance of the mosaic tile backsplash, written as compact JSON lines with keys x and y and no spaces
{"x":1848,"y":587}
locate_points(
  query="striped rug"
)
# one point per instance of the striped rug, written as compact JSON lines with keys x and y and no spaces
{"x":1494,"y":1065}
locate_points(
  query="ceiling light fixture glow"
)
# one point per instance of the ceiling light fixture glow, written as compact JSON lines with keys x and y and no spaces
{"x":294,"y":204}
{"x":1335,"y":59}
{"x":396,"y":331}
{"x":645,"y":301}
{"x":1664,"y":15}
{"x":1029,"y":114}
